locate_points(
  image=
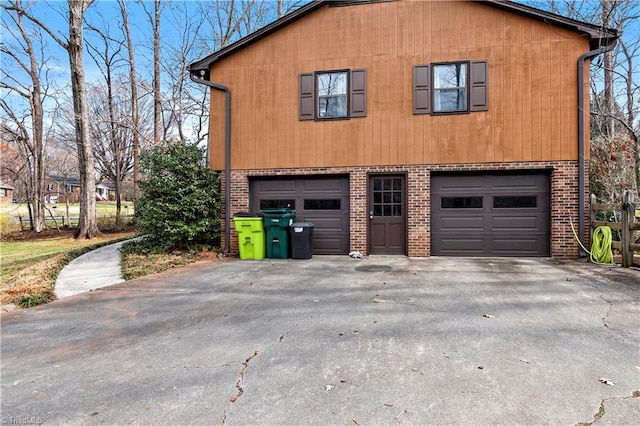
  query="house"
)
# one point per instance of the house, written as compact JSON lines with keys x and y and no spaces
{"x":6,"y":193}
{"x":105,"y":191}
{"x":414,"y":128}
{"x":62,"y":189}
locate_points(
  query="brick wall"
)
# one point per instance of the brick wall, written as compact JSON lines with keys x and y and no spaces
{"x":564,"y":199}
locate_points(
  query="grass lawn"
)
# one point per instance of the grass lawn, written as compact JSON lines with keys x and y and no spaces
{"x":10,"y":214}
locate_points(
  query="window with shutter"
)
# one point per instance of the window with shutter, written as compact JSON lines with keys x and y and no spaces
{"x":451,"y":87}
{"x":339,"y":94}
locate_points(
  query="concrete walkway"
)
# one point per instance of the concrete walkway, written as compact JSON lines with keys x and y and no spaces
{"x":95,"y":269}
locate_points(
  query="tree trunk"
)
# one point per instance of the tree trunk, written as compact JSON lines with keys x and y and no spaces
{"x":135,"y":118}
{"x":87,"y":224}
{"x":609,"y":63}
{"x":157,"y":104}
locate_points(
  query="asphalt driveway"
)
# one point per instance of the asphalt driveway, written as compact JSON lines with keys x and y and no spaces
{"x":334,"y":340}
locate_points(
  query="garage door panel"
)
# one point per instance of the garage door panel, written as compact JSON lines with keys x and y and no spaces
{"x":325,"y":245}
{"x":515,"y":223}
{"x":323,"y":186}
{"x":276,"y":187}
{"x":461,"y":244}
{"x":521,"y":246}
{"x":461,"y":223}
{"x":490,"y":215}
{"x":325,"y":223}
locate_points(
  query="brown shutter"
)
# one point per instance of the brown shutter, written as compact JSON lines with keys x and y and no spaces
{"x":479,"y":86}
{"x":421,"y":89}
{"x":358,"y":93}
{"x":306,"y":92}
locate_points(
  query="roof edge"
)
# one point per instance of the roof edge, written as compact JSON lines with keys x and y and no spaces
{"x":597,"y":36}
{"x":203,"y":64}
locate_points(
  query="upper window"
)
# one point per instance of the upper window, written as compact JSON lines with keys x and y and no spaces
{"x":449,"y":88}
{"x":335,"y":94}
{"x":332,"y":94}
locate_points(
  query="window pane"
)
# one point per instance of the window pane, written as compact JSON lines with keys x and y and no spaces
{"x":386,"y":197}
{"x":461,"y":202}
{"x":322,"y":204}
{"x":377,"y":210}
{"x":386,"y":184}
{"x":332,"y":83}
{"x":449,"y":100}
{"x":514,"y":202}
{"x":397,"y":184}
{"x":387,"y":210}
{"x":377,"y":197}
{"x":449,"y":75}
{"x":332,"y":106}
{"x":397,"y":197}
{"x":277,"y":204}
{"x":397,"y":210}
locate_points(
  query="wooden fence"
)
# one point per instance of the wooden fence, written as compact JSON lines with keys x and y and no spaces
{"x":620,"y":217}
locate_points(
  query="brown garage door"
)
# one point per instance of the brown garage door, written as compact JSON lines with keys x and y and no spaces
{"x":323,"y":201}
{"x":490,"y":215}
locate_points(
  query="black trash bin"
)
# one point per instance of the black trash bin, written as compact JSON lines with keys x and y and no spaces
{"x":301,"y":240}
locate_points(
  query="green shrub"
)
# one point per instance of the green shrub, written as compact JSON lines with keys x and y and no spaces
{"x":180,"y":200}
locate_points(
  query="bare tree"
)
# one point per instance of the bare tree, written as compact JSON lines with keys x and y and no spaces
{"x":182,"y":109}
{"x":154,"y":20}
{"x":615,"y":95}
{"x":26,"y":130}
{"x":74,"y":44}
{"x":113,"y":151}
{"x":133,"y":84}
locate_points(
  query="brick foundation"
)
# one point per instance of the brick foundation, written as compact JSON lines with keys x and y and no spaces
{"x":564,"y":199}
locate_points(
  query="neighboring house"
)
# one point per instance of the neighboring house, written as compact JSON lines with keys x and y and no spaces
{"x":105,"y":191}
{"x":60,"y":189}
{"x":6,"y":193}
{"x":412,"y":127}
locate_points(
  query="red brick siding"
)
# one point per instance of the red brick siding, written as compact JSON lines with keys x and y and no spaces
{"x":564,"y":199}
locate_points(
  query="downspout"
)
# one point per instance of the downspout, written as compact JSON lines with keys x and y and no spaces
{"x":227,"y":152}
{"x":581,"y":139}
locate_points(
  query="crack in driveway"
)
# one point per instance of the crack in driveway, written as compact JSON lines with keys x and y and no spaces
{"x":243,"y":371}
{"x":601,"y":410}
{"x":606,"y":316}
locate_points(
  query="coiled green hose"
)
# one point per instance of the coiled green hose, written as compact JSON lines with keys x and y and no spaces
{"x":600,"y":246}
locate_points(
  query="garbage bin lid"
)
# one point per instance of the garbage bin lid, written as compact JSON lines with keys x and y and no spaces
{"x":278,"y":211}
{"x":247,"y":214}
{"x":301,"y":225}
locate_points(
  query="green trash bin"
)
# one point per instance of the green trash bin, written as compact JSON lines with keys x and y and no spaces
{"x":251,"y":235}
{"x":276,"y":224}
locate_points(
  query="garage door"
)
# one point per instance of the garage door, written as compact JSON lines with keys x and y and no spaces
{"x":490,"y":215}
{"x":323,"y":201}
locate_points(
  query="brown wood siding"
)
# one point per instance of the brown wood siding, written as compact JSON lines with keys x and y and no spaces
{"x":532,"y":112}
